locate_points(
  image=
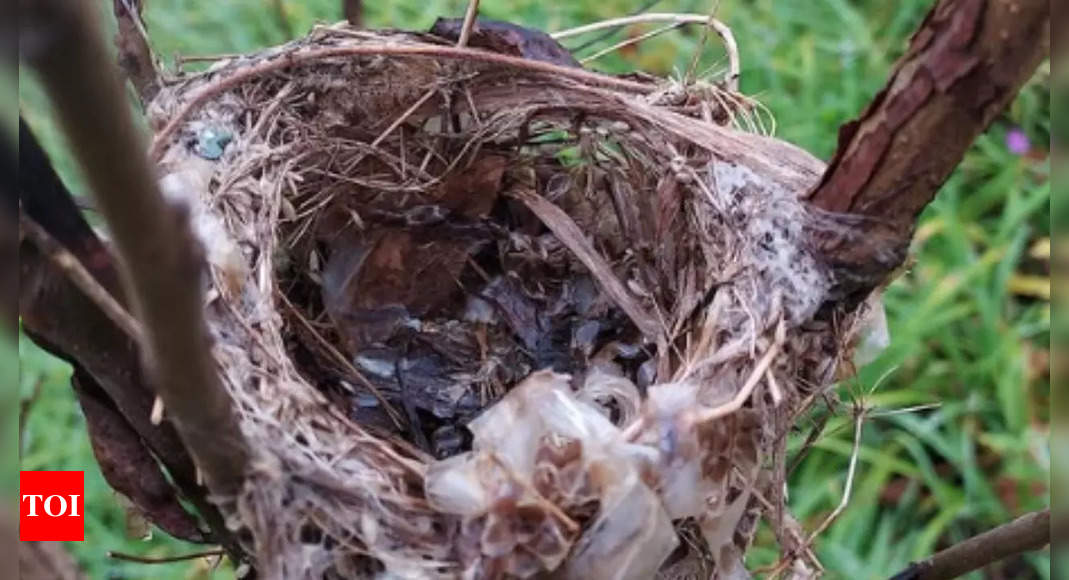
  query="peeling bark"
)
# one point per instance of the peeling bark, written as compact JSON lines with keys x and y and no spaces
{"x":965,"y":63}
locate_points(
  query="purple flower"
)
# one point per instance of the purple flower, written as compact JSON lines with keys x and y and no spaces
{"x":1017,"y":142}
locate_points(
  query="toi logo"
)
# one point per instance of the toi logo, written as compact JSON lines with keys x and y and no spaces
{"x":51,"y":506}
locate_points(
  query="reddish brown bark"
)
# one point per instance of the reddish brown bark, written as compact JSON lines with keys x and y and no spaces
{"x":964,"y":64}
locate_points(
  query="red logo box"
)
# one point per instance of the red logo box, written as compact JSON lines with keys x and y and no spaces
{"x":51,"y":506}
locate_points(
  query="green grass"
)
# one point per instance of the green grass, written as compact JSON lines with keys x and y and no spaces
{"x":960,"y":336}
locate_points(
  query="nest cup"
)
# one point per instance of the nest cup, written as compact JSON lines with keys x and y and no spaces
{"x":492,"y":317}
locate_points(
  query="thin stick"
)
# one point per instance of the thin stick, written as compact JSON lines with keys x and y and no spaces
{"x":340,"y":359}
{"x":402,"y":118}
{"x":181,"y":59}
{"x":354,"y":12}
{"x":773,"y":388}
{"x":688,"y":78}
{"x":469,"y":23}
{"x":678,"y":17}
{"x":161,"y":263}
{"x":566,"y":230}
{"x":166,"y":560}
{"x":608,"y":34}
{"x":859,"y":421}
{"x":721,"y":29}
{"x":197,"y":98}
{"x":77,"y":273}
{"x":755,"y":377}
{"x":791,"y":528}
{"x":1029,"y":532}
{"x":630,"y":41}
{"x":135,"y":17}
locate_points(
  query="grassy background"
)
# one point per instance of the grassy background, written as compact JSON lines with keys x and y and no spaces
{"x":970,"y":323}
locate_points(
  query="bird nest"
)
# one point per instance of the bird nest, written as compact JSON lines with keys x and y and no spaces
{"x":487,"y":316}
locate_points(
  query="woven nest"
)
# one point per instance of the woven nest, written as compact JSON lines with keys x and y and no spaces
{"x":489,"y":317}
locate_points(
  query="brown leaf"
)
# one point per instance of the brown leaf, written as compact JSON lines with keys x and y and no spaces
{"x":127,"y":464}
{"x":508,"y":38}
{"x":373,"y":283}
{"x":472,"y":192}
{"x":374,"y":280}
{"x":562,"y":225}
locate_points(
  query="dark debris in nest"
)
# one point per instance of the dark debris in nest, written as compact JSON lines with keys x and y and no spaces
{"x":589,"y":298}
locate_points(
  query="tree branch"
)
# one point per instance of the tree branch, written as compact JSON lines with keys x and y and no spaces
{"x":135,"y":53}
{"x":965,"y":63}
{"x":162,"y":269}
{"x":1026,"y":533}
{"x":81,"y":277}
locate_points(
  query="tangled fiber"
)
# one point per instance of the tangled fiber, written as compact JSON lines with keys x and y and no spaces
{"x":487,"y":316}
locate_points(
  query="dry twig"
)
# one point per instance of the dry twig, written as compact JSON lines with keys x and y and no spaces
{"x":353,"y":10}
{"x":161,"y":266}
{"x":339,"y":358}
{"x":693,"y":68}
{"x":631,"y":41}
{"x":76,"y":272}
{"x":134,"y":50}
{"x":1026,"y":533}
{"x":166,"y":560}
{"x":730,"y":46}
{"x":747,"y":388}
{"x":469,"y":23}
{"x":564,"y":227}
{"x":859,"y":421}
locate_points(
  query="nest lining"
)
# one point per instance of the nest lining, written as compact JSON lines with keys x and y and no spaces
{"x":400,"y":240}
